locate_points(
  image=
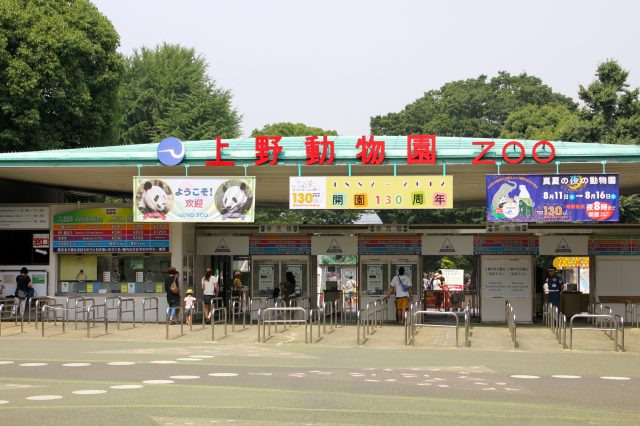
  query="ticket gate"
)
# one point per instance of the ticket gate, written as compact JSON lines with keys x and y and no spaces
{"x":376,"y":273}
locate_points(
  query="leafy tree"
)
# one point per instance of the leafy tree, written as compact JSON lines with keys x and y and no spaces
{"x":311,"y":217}
{"x":546,"y":122}
{"x":630,"y":208}
{"x":291,"y":129}
{"x":59,"y":73}
{"x":466,"y":215}
{"x":611,"y":112}
{"x":474,"y":107}
{"x":166,"y":91}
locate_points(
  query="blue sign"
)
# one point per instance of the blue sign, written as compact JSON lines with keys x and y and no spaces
{"x":553,"y":198}
{"x":170,"y":151}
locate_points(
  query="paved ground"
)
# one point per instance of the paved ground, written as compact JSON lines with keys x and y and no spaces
{"x":136,"y":376}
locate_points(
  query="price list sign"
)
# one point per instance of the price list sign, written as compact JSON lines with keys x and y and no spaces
{"x":107,"y":230}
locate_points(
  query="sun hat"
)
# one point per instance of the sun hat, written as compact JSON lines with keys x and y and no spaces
{"x":189,"y":291}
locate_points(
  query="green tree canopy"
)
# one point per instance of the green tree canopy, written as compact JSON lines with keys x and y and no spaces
{"x":291,"y":129}
{"x":474,"y":107}
{"x":546,"y":122}
{"x":311,"y":217}
{"x":611,"y":112}
{"x":166,"y":91}
{"x":59,"y":73}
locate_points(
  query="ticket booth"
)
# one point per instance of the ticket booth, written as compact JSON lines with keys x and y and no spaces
{"x":376,"y":273}
{"x":267,"y":272}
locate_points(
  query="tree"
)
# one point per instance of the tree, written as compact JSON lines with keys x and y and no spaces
{"x":59,"y":74}
{"x":311,"y":217}
{"x":474,"y":107}
{"x":291,"y":129}
{"x":166,"y":91}
{"x":611,"y":112}
{"x":546,"y":122}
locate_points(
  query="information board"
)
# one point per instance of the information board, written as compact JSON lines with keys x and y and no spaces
{"x":108,"y":230}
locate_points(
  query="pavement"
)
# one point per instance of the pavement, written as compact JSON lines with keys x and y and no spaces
{"x":136,"y":375}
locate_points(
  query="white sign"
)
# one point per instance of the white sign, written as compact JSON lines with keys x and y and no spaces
{"x":454,"y":279}
{"x":447,"y":245}
{"x":332,"y":246}
{"x":308,"y":192}
{"x":222,"y":244}
{"x":265,"y":278}
{"x":506,"y":278}
{"x":564,"y":245}
{"x":24,"y":217}
{"x":375,"y":279}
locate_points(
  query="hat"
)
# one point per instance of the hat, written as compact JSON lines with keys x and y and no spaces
{"x":189,"y":291}
{"x":236,"y":273}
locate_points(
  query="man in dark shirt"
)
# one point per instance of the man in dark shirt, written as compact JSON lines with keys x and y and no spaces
{"x":555,"y":285}
{"x":23,"y":284}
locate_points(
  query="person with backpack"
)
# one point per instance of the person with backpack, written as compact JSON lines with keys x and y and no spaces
{"x":172,"y":288}
{"x":23,"y":284}
{"x":401,"y":285}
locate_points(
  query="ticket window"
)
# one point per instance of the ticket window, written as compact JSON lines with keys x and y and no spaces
{"x":411,"y":272}
{"x":265,"y":276}
{"x":300,"y":271}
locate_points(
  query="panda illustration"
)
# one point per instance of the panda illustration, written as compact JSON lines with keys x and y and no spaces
{"x":154,"y":202}
{"x":233,"y":199}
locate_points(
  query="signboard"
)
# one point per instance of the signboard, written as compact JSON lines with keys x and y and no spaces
{"x":389,"y":244}
{"x":447,"y":245}
{"x":507,"y":227}
{"x":454,"y":279}
{"x":24,"y":217}
{"x":266,"y":282}
{"x":505,"y":244}
{"x":506,"y":278}
{"x":334,"y":246}
{"x":210,"y":199}
{"x":564,"y":245}
{"x":107,"y":230}
{"x":553,"y":198}
{"x":370,"y":192}
{"x":223,"y":244}
{"x":286,"y":245}
{"x":278,"y":229}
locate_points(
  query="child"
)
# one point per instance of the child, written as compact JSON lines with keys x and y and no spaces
{"x":189,"y":305}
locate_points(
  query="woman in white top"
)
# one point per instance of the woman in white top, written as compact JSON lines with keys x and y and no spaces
{"x":209,"y":291}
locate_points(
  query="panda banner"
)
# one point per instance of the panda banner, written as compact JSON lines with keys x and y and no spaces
{"x":201,"y":199}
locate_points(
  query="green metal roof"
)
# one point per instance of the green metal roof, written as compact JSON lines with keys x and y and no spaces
{"x":450,"y":150}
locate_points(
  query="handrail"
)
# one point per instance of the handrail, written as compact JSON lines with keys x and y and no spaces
{"x":313,"y":311}
{"x":616,"y":325}
{"x":150,"y":308}
{"x":262,"y":320}
{"x":414,"y":324}
{"x":326,"y":305}
{"x":123,"y":301}
{"x":511,"y":322}
{"x":54,"y":308}
{"x":223,"y":320}
{"x":84,"y":304}
{"x":42,"y":301}
{"x":237,"y":304}
{"x":181,"y":312}
{"x":360,"y":324}
{"x":15,"y":316}
{"x":93,"y":309}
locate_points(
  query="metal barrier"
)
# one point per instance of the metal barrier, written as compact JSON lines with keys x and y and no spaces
{"x":314,"y":312}
{"x":327,"y":312}
{"x":15,"y":316}
{"x":412,"y":323}
{"x":150,"y":308}
{"x":42,"y":301}
{"x":91,"y":320}
{"x":81,"y":305}
{"x":631,"y":313}
{"x":360,"y":324}
{"x":615,"y":326}
{"x":511,"y":322}
{"x":167,"y":322}
{"x":561,"y":331}
{"x":54,"y":308}
{"x":123,"y":303}
{"x":237,"y":306}
{"x":263,"y":320}
{"x":222,"y":320}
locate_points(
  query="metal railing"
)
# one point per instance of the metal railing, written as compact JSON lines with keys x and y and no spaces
{"x":412,"y":323}
{"x":43,"y":301}
{"x":611,"y":325}
{"x":81,"y":305}
{"x":510,"y":314}
{"x":239,"y":309}
{"x":168,"y":321}
{"x":151,"y":307}
{"x":13,"y":315}
{"x":632,"y":313}
{"x":126,"y":306}
{"x":55,"y":308}
{"x":327,"y":310}
{"x":222,"y":319}
{"x":277,"y":315}
{"x":92,"y":316}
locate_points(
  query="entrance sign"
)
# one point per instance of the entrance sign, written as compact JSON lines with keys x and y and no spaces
{"x":371,"y":192}
{"x":447,"y":245}
{"x":335,"y":245}
{"x":223,"y":244}
{"x":107,"y":230}
{"x":210,"y":199}
{"x":564,"y":245}
{"x":552,"y":198}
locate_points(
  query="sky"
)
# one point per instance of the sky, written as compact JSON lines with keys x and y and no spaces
{"x":336,"y":63}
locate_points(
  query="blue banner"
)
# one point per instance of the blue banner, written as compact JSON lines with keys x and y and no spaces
{"x":553,"y":198}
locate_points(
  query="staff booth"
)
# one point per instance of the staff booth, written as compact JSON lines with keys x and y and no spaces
{"x":506,"y":268}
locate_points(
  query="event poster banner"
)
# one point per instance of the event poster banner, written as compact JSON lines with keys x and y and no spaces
{"x":553,"y":198}
{"x":201,"y":199}
{"x":371,"y":192}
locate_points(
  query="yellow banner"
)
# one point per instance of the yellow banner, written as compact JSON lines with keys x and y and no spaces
{"x":371,"y":192}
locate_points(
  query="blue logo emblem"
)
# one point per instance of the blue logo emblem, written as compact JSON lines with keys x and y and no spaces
{"x":170,"y":151}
